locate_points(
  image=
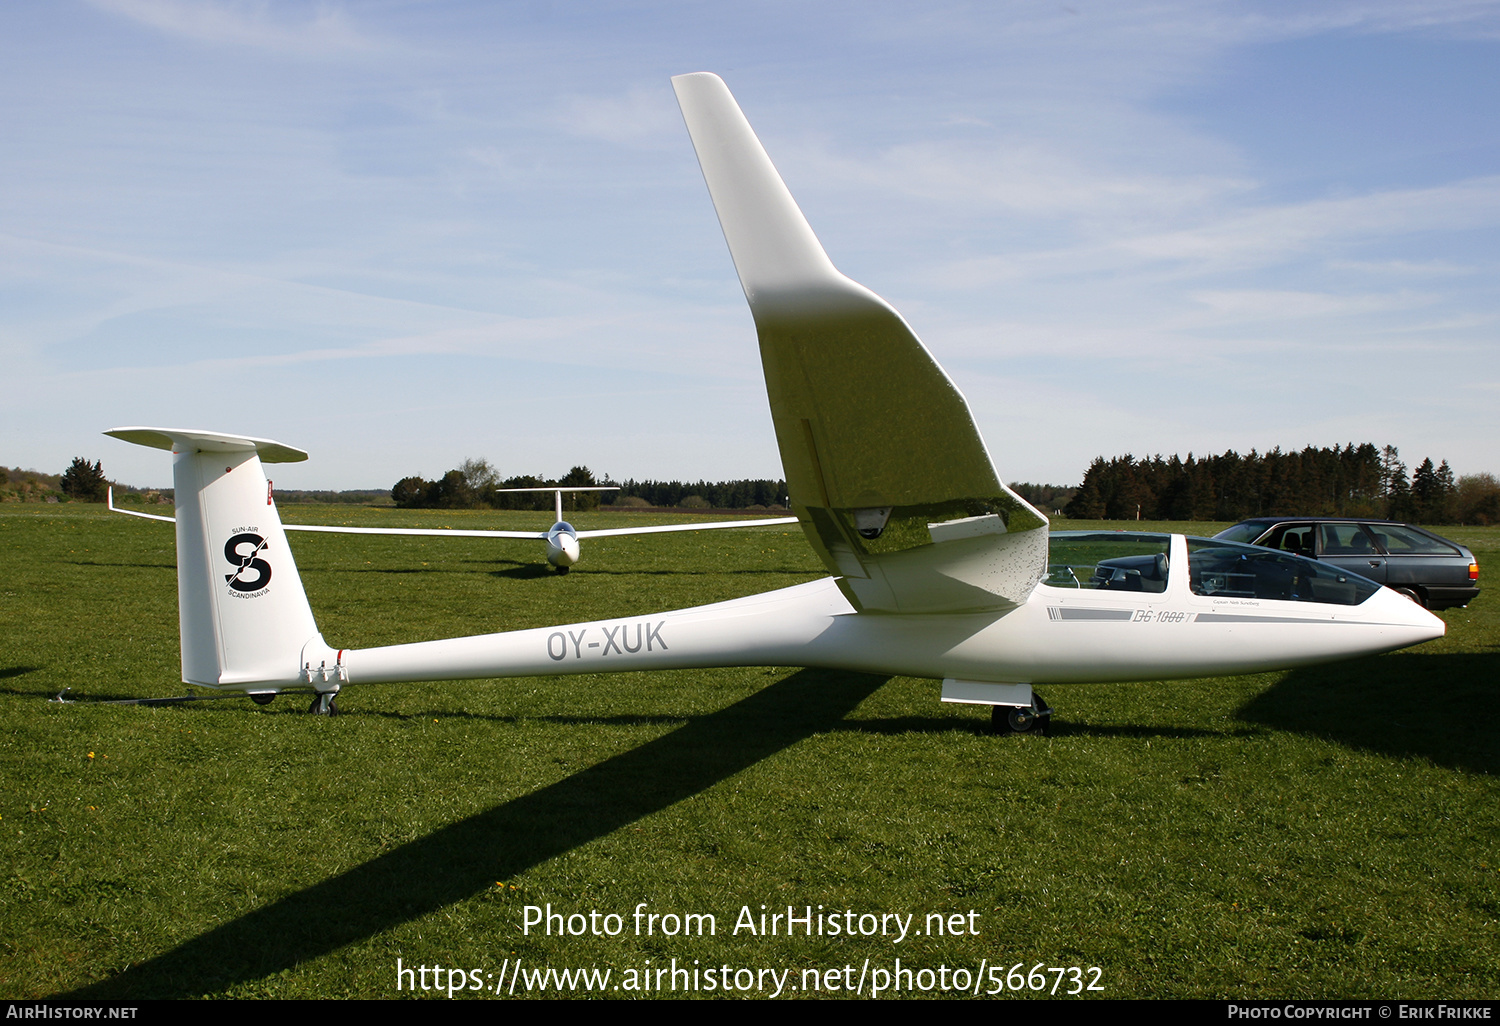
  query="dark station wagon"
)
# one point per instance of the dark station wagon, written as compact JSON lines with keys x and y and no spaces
{"x":1438,"y":573}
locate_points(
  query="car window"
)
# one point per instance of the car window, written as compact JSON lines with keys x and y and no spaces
{"x":1226,"y":570}
{"x":1408,"y":541}
{"x":1112,"y":560}
{"x":1294,"y":538}
{"x":1343,"y":540}
{"x":1244,"y":533}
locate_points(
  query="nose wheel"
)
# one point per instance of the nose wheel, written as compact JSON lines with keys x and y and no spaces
{"x":1021,"y":719}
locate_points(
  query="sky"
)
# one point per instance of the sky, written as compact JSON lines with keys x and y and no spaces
{"x":402,"y":233}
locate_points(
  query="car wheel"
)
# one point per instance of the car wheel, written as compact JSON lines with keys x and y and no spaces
{"x":1409,"y":593}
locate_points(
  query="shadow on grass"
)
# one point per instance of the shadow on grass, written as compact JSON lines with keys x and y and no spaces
{"x":885,"y":726}
{"x":116,"y":566}
{"x":800,"y":571}
{"x":25,"y":692}
{"x":525,"y":571}
{"x":467,"y":857}
{"x":506,"y":719}
{"x":1060,"y":727}
{"x":1437,"y":707}
{"x":522,"y":571}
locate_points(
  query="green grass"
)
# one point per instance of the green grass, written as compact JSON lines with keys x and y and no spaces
{"x":1327,"y":832}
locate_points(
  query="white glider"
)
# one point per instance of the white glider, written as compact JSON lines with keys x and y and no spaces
{"x":939,"y":570}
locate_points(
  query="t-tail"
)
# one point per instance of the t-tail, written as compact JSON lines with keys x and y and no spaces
{"x":244,"y":618}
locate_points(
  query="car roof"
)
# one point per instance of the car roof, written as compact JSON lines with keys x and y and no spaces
{"x":1273,"y":521}
{"x":1325,"y":520}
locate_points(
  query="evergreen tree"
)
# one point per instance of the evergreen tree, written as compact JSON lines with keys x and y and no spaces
{"x":1425,"y":496}
{"x":1088,"y":504}
{"x":84,"y":482}
{"x":579,"y":477}
{"x":1394,"y":485}
{"x":1356,"y":481}
{"x":1447,"y":493}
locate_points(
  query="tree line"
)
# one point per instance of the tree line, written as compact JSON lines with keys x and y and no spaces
{"x":1352,"y":481}
{"x":743,"y":494}
{"x":475,"y":484}
{"x":81,"y":482}
{"x":1355,"y":481}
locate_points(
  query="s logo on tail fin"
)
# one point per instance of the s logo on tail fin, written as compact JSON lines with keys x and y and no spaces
{"x":251,"y":574}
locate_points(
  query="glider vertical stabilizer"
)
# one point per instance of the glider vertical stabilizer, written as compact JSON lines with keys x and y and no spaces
{"x":885,"y":466}
{"x":244,"y":617}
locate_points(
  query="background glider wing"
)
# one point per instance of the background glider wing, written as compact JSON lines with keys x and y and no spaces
{"x":886,"y":470}
{"x":608,"y":533}
{"x":419,"y":532}
{"x":109,"y":502}
{"x":665,"y":528}
{"x":613,"y":532}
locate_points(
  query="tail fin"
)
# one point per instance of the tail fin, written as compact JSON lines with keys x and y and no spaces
{"x":244,"y":617}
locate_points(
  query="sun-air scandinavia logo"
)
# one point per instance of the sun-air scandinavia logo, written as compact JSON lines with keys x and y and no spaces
{"x":251,"y":574}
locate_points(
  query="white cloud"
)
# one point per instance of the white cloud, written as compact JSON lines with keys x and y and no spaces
{"x":1242,"y":238}
{"x":319,"y":30}
{"x":1270,"y":233}
{"x":1031,"y":177}
{"x":641,"y":116}
{"x":1246,"y":306}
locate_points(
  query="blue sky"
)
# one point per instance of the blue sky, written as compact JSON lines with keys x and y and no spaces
{"x":398,"y":234}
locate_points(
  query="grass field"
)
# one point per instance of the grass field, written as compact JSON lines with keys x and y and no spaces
{"x":1326,"y":832}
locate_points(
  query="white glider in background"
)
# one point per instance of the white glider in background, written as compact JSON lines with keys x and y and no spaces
{"x":561,"y":538}
{"x":939,"y":570}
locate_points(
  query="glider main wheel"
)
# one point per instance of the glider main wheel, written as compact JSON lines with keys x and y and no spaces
{"x":1011,"y":719}
{"x":323,"y":705}
{"x":562,"y":570}
{"x":264,"y":698}
{"x":1021,"y":719}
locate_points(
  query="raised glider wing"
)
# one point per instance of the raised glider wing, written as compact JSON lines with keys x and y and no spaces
{"x":561,"y":538}
{"x":940,"y":570}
